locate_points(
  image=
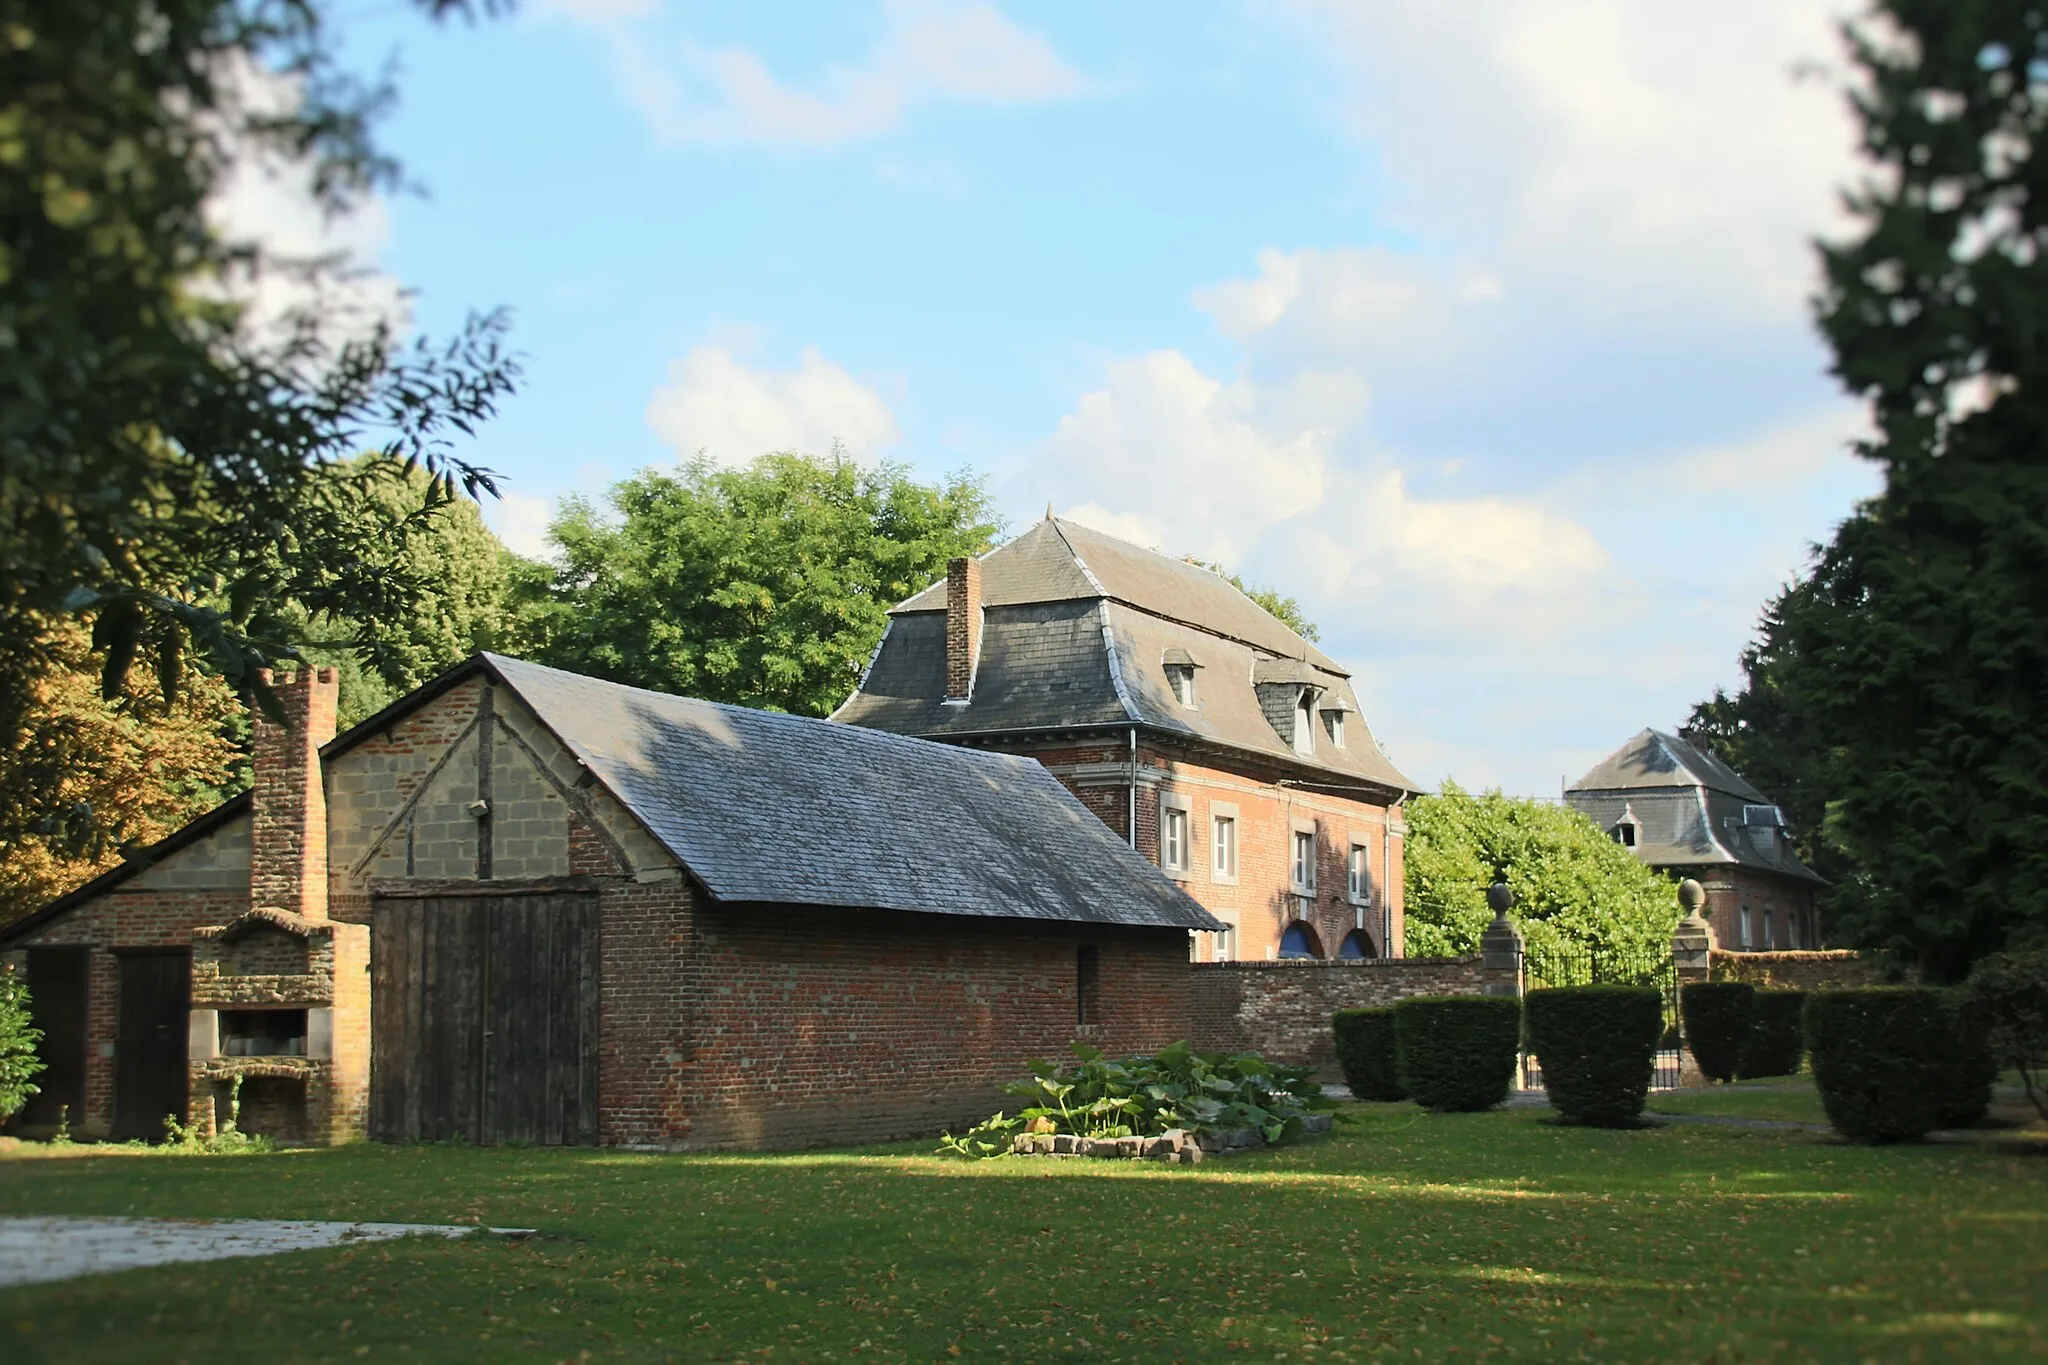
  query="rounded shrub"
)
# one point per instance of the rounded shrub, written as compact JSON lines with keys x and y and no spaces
{"x":2006,"y":1000}
{"x":1365,"y":1052}
{"x":1598,"y":1046}
{"x":1974,"y":1069}
{"x":1885,"y":1060}
{"x":1776,"y":1042}
{"x":1717,"y":1016}
{"x":1457,"y":1053}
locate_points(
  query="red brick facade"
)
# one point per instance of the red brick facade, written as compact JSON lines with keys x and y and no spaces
{"x":1261,"y":897}
{"x":1282,"y":1009}
{"x":1779,"y":911}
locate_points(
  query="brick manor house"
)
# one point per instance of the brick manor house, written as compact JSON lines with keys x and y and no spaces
{"x":1217,"y":741}
{"x":1684,"y":811}
{"x":524,"y":905}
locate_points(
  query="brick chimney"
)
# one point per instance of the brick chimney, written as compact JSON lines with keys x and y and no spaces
{"x":963,"y":626}
{"x":288,"y":832}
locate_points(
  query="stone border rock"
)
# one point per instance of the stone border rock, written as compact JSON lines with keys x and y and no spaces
{"x":1176,"y":1146}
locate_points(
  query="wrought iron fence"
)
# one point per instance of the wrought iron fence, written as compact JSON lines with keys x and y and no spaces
{"x":1571,"y":964}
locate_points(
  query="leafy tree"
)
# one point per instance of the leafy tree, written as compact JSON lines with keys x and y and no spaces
{"x":1286,"y":608}
{"x":766,"y":586}
{"x":168,"y":456}
{"x":1915,"y":654}
{"x":1573,"y":885}
{"x":19,"y":1064}
{"x":88,"y":776}
{"x":462,"y":575}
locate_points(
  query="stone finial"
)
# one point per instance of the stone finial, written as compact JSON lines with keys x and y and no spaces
{"x":1692,"y":897}
{"x":1500,"y":947}
{"x":1501,"y":897}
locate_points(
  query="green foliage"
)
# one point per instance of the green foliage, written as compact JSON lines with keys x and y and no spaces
{"x":765,"y":586}
{"x":1718,"y":1017}
{"x":456,"y":573}
{"x":2006,"y":999}
{"x":1457,"y":1053}
{"x":1278,"y":604}
{"x":1908,"y":672}
{"x":1573,"y":885}
{"x":227,"y":1140}
{"x":19,"y":1064}
{"x":1144,"y":1096}
{"x":1776,"y":1043}
{"x":1366,"y":1053}
{"x":1598,"y":1047}
{"x":1885,"y":1060}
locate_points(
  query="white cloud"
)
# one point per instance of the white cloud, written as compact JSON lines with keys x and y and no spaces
{"x":1638,"y":153}
{"x":1189,"y":450}
{"x":735,"y":412}
{"x":930,"y":52}
{"x":320,"y":266}
{"x":521,"y":521}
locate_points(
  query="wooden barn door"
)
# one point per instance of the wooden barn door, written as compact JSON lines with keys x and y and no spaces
{"x":150,"y":1040}
{"x":484,"y":1019}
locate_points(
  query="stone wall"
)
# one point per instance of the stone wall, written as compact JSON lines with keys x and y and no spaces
{"x":1283,"y":1009}
{"x":1805,"y":971}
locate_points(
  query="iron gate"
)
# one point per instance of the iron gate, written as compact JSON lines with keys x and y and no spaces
{"x":1570,"y":964}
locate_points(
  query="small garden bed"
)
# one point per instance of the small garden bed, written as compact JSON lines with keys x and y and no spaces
{"x":1177,"y":1105}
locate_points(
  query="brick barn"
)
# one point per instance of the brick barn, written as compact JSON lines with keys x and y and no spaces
{"x":1215,"y":740}
{"x":1686,"y":812}
{"x":520,"y":904}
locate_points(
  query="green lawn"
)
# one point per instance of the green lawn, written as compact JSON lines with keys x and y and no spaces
{"x":1790,"y":1098}
{"x":1488,"y":1236}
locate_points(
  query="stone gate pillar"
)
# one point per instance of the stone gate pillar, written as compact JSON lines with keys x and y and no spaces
{"x":1500,"y":947}
{"x":1692,"y":959}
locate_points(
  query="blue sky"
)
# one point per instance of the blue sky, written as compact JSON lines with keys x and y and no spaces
{"x":1479,"y":328}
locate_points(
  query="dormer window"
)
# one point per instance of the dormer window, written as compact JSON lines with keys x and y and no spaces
{"x":1180,"y":669}
{"x":1305,"y":724}
{"x":1334,"y":709}
{"x":1624,"y":833}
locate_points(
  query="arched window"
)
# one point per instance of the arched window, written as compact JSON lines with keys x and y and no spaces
{"x":1357,"y":944}
{"x":1300,"y":941}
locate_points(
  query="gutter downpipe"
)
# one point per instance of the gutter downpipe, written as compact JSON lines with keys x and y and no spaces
{"x":1387,"y":882}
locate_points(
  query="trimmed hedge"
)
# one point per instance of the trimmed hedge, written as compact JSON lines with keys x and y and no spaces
{"x":1598,"y":1046}
{"x":1973,"y":1071}
{"x":1717,"y":1017}
{"x":2006,"y":1000}
{"x":1776,"y":1040}
{"x":1456,"y":1053}
{"x":1885,"y":1060}
{"x":1365,"y":1052}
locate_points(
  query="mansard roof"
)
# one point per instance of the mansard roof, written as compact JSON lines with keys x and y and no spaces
{"x":1078,"y":631}
{"x":1690,"y":808}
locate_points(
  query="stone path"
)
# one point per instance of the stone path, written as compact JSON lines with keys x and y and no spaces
{"x":37,"y":1250}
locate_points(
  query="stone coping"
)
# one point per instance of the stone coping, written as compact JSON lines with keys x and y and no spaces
{"x":1347,"y":963}
{"x":1176,"y":1146}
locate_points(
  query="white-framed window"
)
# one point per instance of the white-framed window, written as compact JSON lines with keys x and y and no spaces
{"x":1358,"y":875}
{"x":1174,"y":854}
{"x":1748,"y":935}
{"x":1305,"y":862}
{"x":1770,"y":929}
{"x":1625,"y":833}
{"x":1336,"y":720}
{"x":1182,"y":679}
{"x":1223,"y":945}
{"x":1223,"y":846}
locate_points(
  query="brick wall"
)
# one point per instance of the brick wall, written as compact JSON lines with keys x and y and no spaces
{"x":963,"y":625}
{"x":1804,"y":971}
{"x":288,"y":841}
{"x":1782,"y":909}
{"x":1261,"y":900}
{"x":826,"y":1026}
{"x":1282,"y":1009}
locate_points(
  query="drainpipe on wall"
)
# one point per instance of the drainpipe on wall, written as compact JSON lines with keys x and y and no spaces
{"x":1387,"y":882}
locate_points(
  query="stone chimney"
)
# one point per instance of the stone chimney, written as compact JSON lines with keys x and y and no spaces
{"x":963,"y":626}
{"x":288,"y":831}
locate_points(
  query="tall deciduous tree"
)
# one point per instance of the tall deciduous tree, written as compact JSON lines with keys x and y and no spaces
{"x":1915,"y":654}
{"x":167,"y":455}
{"x":1574,"y":886}
{"x":766,"y":586}
{"x":88,"y":776}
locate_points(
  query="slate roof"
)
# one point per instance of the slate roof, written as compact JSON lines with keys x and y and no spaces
{"x":1690,"y":808}
{"x":766,"y":807}
{"x":1077,"y":630}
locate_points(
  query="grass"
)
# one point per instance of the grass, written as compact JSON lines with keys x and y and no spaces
{"x":1789,"y":1098}
{"x":1488,"y":1236}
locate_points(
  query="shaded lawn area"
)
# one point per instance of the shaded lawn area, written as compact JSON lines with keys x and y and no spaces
{"x":1789,"y":1098}
{"x":1501,"y":1235}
